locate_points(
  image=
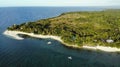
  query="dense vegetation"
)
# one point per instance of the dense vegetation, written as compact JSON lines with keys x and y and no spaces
{"x":79,"y":28}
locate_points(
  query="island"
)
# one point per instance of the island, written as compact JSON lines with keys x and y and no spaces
{"x":99,"y":30}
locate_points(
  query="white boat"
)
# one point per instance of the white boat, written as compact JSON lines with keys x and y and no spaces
{"x":70,"y":58}
{"x":49,"y":42}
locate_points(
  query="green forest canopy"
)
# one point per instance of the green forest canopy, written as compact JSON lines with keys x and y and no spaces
{"x":79,"y":28}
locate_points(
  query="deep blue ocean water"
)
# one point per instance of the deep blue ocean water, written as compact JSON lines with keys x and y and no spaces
{"x":36,"y":52}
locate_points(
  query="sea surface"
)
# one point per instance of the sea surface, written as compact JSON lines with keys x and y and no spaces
{"x":36,"y":52}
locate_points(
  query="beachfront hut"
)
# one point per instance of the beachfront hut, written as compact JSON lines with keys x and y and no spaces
{"x":109,"y":41}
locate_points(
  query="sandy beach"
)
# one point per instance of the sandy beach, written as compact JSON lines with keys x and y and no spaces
{"x":13,"y":34}
{"x":103,"y":48}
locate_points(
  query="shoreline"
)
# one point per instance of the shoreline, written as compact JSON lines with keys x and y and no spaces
{"x":13,"y":34}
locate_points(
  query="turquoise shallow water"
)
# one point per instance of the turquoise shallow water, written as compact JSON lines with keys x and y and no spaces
{"x":36,"y":52}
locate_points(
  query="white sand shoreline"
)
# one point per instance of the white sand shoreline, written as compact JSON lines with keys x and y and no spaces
{"x":14,"y":35}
